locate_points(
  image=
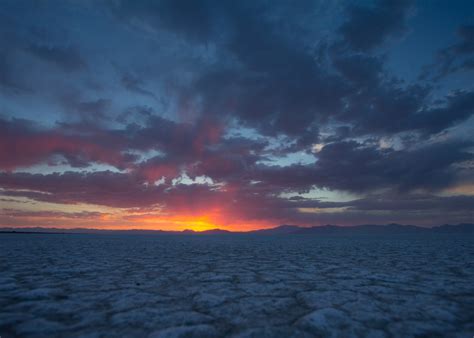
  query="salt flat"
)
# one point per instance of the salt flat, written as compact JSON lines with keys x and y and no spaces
{"x":244,"y":286}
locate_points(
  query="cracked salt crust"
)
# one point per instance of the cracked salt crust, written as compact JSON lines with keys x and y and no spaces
{"x":242,"y":286}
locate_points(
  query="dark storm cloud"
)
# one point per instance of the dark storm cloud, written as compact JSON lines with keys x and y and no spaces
{"x":135,"y":84}
{"x":86,"y":111}
{"x":369,"y":26}
{"x":363,"y":70}
{"x":414,"y":206}
{"x":8,"y":81}
{"x":455,"y":58}
{"x":459,"y":106}
{"x":269,"y":76}
{"x":193,"y":19}
{"x":67,"y":58}
{"x":350,"y":166}
{"x":391,"y":110}
{"x":232,"y":160}
{"x":178,"y":140}
{"x":412,"y":203}
{"x":31,"y":49}
{"x":279,"y":81}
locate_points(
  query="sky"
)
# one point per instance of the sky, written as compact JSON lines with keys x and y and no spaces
{"x":184,"y":114}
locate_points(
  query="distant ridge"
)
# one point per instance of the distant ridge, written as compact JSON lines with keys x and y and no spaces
{"x":207,"y":232}
{"x":279,"y":230}
{"x":366,"y":229}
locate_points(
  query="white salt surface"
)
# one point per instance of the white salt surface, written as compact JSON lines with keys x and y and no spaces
{"x":242,"y":286}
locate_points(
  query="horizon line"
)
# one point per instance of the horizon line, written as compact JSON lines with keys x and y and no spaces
{"x":184,"y":231}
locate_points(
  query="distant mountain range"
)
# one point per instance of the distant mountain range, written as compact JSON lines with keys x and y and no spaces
{"x":368,"y":229}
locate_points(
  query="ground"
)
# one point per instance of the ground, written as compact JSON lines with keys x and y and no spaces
{"x":61,"y":285}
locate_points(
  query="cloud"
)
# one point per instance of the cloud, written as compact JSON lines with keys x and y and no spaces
{"x":192,"y":19}
{"x":14,"y":213}
{"x":368,"y":27}
{"x":351,"y":166}
{"x":455,"y":58}
{"x":102,"y":188}
{"x":277,"y":81}
{"x":135,"y":84}
{"x":68,"y":59}
{"x":23,"y":144}
{"x":412,"y":203}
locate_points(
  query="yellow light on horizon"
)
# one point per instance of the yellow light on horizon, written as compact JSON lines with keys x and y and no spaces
{"x":195,"y":223}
